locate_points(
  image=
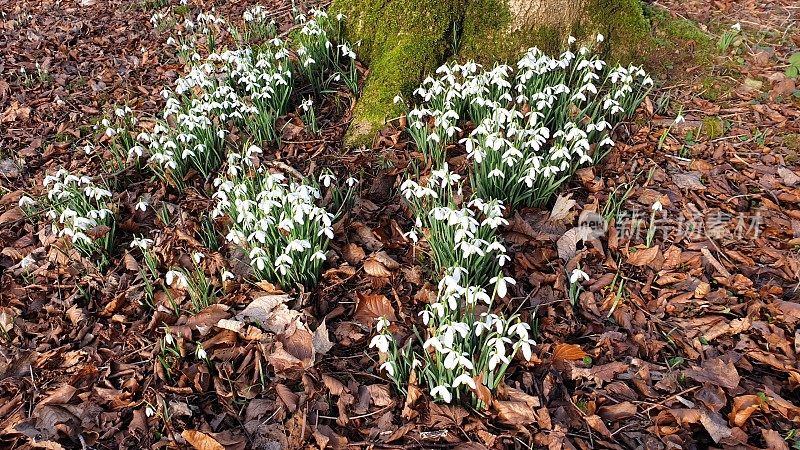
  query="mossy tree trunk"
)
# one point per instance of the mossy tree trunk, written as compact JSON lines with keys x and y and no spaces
{"x":404,"y":40}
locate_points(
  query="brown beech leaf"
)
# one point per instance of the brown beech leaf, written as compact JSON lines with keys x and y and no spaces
{"x":482,"y":392}
{"x":270,"y":311}
{"x":774,"y":440}
{"x":384,"y":258}
{"x":597,"y":424}
{"x":353,"y":253}
{"x":130,"y":262}
{"x":380,"y":395}
{"x":289,"y":398}
{"x":643,"y":257}
{"x":568,"y":352}
{"x":713,"y":422}
{"x":11,"y":215}
{"x":743,"y":407}
{"x":716,"y":372}
{"x":613,"y":413}
{"x":561,"y":209}
{"x":370,"y":307}
{"x":321,"y":341}
{"x":201,"y":441}
{"x":375,"y":268}
{"x":514,"y":413}
{"x":600,"y":374}
{"x":568,"y":243}
{"x":98,"y":231}
{"x":335,"y":387}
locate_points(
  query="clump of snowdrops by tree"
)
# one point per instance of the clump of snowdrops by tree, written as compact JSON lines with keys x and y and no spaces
{"x":526,"y":130}
{"x":533,"y":125}
{"x":278,"y":223}
{"x":249,"y":88}
{"x":324,"y":57}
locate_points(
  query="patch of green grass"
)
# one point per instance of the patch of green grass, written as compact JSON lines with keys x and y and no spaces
{"x":715,"y":88}
{"x":680,"y":43}
{"x":153,"y":4}
{"x":713,"y":127}
{"x":792,"y":141}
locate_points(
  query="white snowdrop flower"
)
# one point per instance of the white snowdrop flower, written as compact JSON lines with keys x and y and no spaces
{"x":351,"y":181}
{"x":201,"y":352}
{"x":600,"y":37}
{"x":110,"y":132}
{"x":388,"y":367}
{"x":141,"y":205}
{"x":197,"y":257}
{"x":657,"y":206}
{"x":502,"y":259}
{"x":176,"y":278}
{"x":526,"y":346}
{"x":141,"y":243}
{"x":571,"y":40}
{"x":326,"y":179}
{"x":434,"y":342}
{"x":496,"y":173}
{"x":577,"y":276}
{"x":319,"y":256}
{"x":501,"y":283}
{"x":426,"y":316}
{"x":26,"y":262}
{"x":26,"y":201}
{"x":383,"y":322}
{"x":453,"y":360}
{"x":168,"y":339}
{"x":737,"y":26}
{"x":465,"y":379}
{"x":679,"y":119}
{"x":496,"y":359}
{"x":298,"y":245}
{"x":149,"y":411}
{"x":88,"y":149}
{"x":443,"y":392}
{"x":227,"y":275}
{"x":381,"y":342}
{"x":171,"y":41}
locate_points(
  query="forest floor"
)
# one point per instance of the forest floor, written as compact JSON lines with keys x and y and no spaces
{"x":691,"y":343}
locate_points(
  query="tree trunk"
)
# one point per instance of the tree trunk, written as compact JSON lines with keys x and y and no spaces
{"x":404,"y":40}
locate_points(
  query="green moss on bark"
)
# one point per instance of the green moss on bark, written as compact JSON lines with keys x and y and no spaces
{"x":401,"y":41}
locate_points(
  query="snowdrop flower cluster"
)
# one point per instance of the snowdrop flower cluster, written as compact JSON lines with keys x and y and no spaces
{"x":247,"y":88}
{"x":322,"y":60}
{"x":265,"y":77}
{"x":464,"y":237}
{"x":119,"y":130}
{"x":464,"y":344}
{"x":208,"y":24}
{"x":277,"y":223}
{"x":79,"y":209}
{"x":534,"y":124}
{"x":258,"y":23}
{"x":201,"y":289}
